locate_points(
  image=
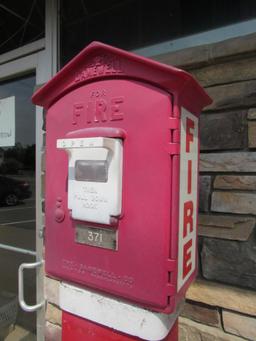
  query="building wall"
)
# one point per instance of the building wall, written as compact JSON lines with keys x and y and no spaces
{"x":221,"y":304}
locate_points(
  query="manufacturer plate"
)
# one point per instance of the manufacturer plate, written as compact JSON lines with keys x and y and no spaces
{"x":96,"y":236}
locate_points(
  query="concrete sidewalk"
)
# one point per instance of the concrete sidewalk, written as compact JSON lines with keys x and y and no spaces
{"x":20,"y":334}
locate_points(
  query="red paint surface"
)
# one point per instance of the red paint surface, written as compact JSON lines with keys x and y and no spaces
{"x":102,"y":92}
{"x":77,"y":329}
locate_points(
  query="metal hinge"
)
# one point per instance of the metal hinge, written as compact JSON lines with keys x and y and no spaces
{"x":174,"y":126}
{"x":41,"y":232}
{"x":174,"y":123}
{"x":173,"y":148}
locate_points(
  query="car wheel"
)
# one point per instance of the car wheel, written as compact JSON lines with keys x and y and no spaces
{"x":11,"y":199}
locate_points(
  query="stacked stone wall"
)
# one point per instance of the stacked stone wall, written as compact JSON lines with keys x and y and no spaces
{"x":221,"y":304}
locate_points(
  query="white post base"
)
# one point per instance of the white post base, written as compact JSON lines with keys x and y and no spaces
{"x":113,"y":313}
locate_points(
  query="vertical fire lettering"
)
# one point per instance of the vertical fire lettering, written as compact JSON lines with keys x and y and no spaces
{"x":188,"y":197}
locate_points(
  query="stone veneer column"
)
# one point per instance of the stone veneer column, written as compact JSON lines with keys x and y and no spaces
{"x":221,"y":304}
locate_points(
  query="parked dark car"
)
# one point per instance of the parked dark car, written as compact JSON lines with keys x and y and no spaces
{"x":13,"y":190}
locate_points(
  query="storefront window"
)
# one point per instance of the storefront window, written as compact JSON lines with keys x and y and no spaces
{"x":133,"y":24}
{"x":17,"y":200}
{"x":21,"y":23}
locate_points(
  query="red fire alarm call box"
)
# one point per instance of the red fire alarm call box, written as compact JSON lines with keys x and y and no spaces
{"x":121,"y":175}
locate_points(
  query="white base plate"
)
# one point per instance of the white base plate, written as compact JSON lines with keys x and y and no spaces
{"x":110,"y":312}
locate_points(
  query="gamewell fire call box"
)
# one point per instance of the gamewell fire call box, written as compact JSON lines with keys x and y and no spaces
{"x":122,"y":176}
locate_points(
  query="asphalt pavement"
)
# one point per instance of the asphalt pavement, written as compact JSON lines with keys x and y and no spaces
{"x":19,"y":216}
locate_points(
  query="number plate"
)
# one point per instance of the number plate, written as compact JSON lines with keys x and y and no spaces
{"x":96,"y":236}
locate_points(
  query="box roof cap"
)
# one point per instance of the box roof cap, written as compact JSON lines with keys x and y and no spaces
{"x":100,"y":61}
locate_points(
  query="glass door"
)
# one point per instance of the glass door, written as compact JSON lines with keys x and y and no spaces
{"x":17,"y":206}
